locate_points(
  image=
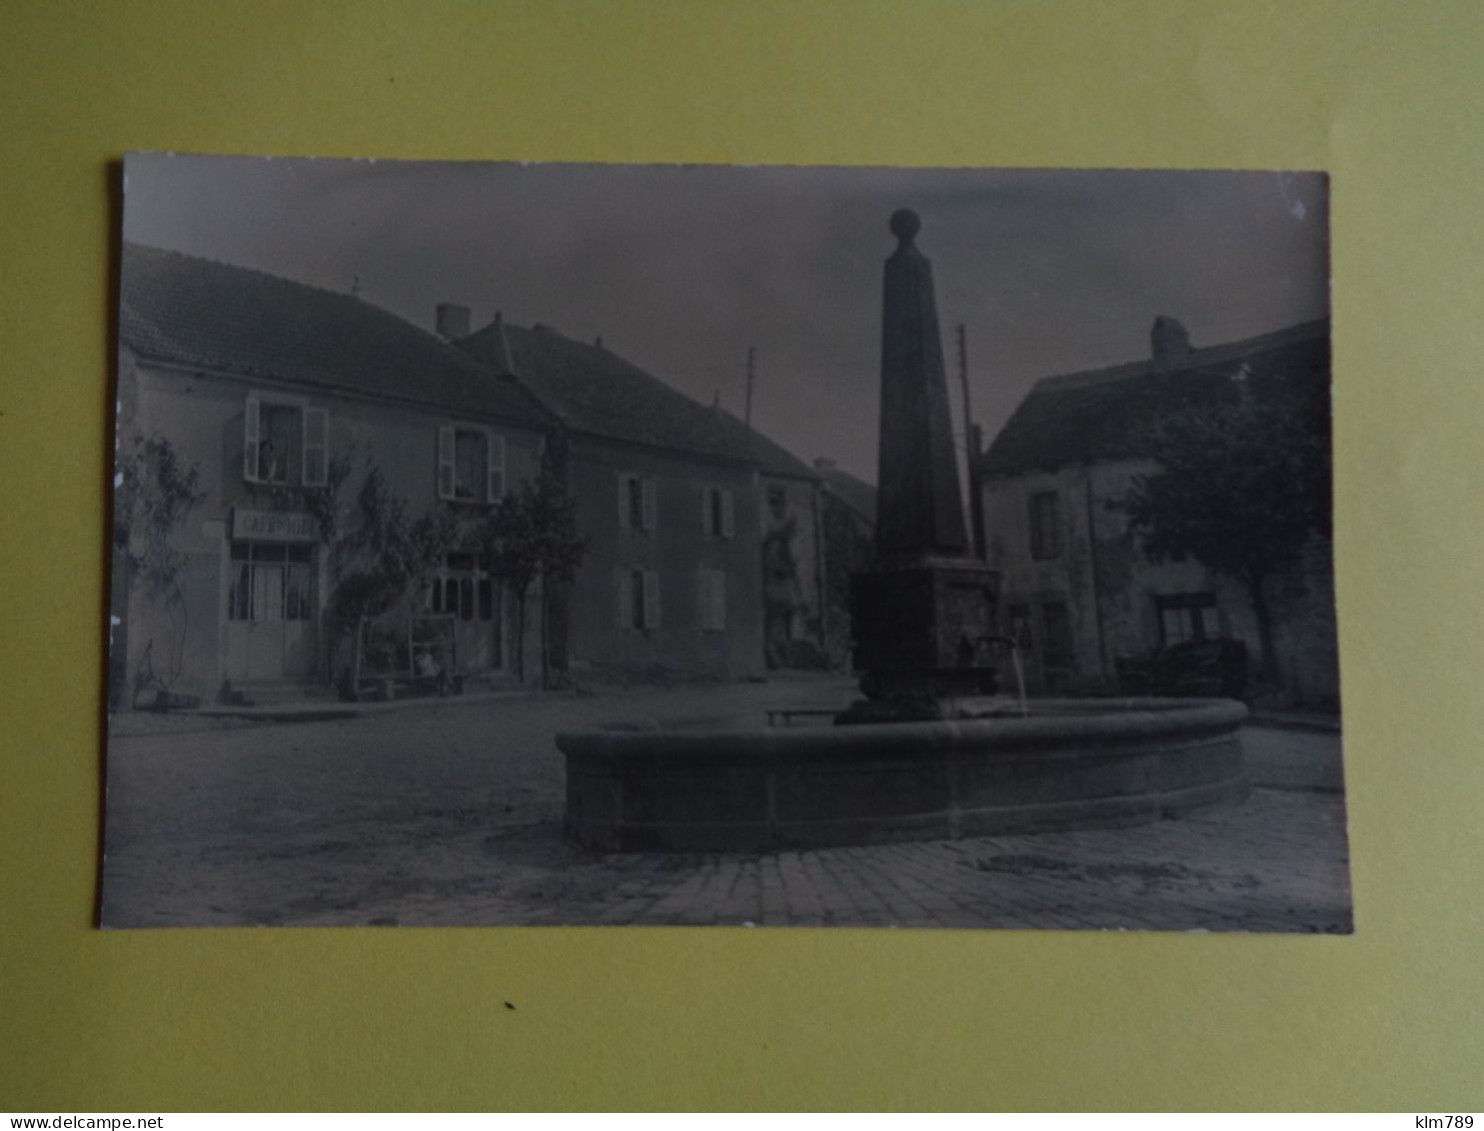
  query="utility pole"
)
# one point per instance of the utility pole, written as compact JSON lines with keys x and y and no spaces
{"x":751,"y":357}
{"x":971,"y":449}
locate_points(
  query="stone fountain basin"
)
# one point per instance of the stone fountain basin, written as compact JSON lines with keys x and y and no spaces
{"x":1070,"y":764}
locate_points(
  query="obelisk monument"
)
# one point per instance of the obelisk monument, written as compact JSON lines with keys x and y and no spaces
{"x":920,"y":509}
{"x":923,"y":614}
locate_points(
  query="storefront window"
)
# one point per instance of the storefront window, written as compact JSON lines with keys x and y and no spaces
{"x":271,"y":582}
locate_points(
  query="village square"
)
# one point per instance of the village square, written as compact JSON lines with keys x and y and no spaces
{"x":409,"y":814}
{"x":485,"y":624}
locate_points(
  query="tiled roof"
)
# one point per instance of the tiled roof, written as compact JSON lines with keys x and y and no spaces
{"x":771,"y":457}
{"x":1108,"y":413}
{"x":855,"y":493}
{"x":594,"y":391}
{"x":196,"y":312}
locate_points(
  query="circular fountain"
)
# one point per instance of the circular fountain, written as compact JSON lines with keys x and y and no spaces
{"x":1072,"y":764}
{"x":925,"y":755}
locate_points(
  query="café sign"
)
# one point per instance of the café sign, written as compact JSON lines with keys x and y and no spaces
{"x":274,"y":526}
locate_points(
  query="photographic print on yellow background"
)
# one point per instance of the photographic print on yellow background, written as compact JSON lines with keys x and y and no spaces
{"x":845,"y":653}
{"x":186,"y":1019}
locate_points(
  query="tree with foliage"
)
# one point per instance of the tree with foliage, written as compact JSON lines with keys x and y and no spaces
{"x":1241,"y":488}
{"x":390,"y":549}
{"x":533,"y":533}
{"x":379,"y":555}
{"x":154,"y":492}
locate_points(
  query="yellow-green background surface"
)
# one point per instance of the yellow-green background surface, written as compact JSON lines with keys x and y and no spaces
{"x":1385,"y":96}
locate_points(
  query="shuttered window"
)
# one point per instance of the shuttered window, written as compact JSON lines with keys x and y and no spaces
{"x":711,"y":595}
{"x":285,"y":443}
{"x":495,"y":488}
{"x":252,"y":427}
{"x":650,"y":613}
{"x":316,"y":444}
{"x":445,"y":463}
{"x":471,"y":465}
{"x":651,"y":505}
{"x":1045,"y":519}
{"x":717,"y":513}
{"x":624,"y":598}
{"x":638,"y":503}
{"x":637,"y":598}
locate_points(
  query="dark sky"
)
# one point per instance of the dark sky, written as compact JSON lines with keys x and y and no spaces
{"x":681,"y":269}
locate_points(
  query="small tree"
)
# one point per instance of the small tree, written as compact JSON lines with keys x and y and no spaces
{"x":533,"y":533}
{"x":386,"y":553}
{"x":1242,"y":488}
{"x":155,"y":491}
{"x":391,"y":550}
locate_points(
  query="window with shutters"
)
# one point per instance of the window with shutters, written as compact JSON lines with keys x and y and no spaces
{"x":285,"y":443}
{"x":638,"y":598}
{"x":711,"y":595}
{"x":471,"y":465}
{"x":638,"y":503}
{"x":778,"y":502}
{"x":1045,"y":520}
{"x":717,"y":517}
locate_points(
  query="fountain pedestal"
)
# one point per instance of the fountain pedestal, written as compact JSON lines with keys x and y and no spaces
{"x":920,"y":638}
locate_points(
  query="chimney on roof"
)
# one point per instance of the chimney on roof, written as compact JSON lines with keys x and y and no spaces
{"x":1170,"y":344}
{"x":452,"y":321}
{"x":598,"y":343}
{"x":824,"y":463}
{"x":502,"y":362}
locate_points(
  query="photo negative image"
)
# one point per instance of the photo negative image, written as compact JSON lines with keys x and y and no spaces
{"x":500,"y":544}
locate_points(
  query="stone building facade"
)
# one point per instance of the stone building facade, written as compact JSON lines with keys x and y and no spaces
{"x":669,"y":495}
{"x":705,"y":547}
{"x":1077,"y":586}
{"x":284,"y":399}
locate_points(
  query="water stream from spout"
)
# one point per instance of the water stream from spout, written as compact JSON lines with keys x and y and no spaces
{"x":1015,"y":662}
{"x":1019,"y":677}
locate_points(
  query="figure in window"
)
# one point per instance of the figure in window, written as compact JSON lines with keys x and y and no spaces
{"x":281,"y":436}
{"x":468,"y":464}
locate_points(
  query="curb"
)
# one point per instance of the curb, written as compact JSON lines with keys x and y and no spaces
{"x":339,"y":711}
{"x":1277,"y":721}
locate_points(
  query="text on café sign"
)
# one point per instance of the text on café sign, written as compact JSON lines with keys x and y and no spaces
{"x":274,"y":526}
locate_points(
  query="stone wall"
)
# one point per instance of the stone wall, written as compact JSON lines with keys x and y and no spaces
{"x":1110,"y":588}
{"x":677,"y":548}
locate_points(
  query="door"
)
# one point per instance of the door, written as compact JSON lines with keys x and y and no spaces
{"x":464,"y":590}
{"x":271,"y":611}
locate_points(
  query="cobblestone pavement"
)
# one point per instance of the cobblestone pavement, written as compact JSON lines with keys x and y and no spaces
{"x":450,"y":813}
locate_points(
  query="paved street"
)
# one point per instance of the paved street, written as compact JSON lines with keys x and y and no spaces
{"x":450,"y":813}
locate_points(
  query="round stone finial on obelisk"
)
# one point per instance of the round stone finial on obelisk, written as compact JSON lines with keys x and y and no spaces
{"x":905,"y":224}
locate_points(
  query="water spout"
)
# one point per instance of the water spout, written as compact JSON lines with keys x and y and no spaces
{"x":1015,"y":662}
